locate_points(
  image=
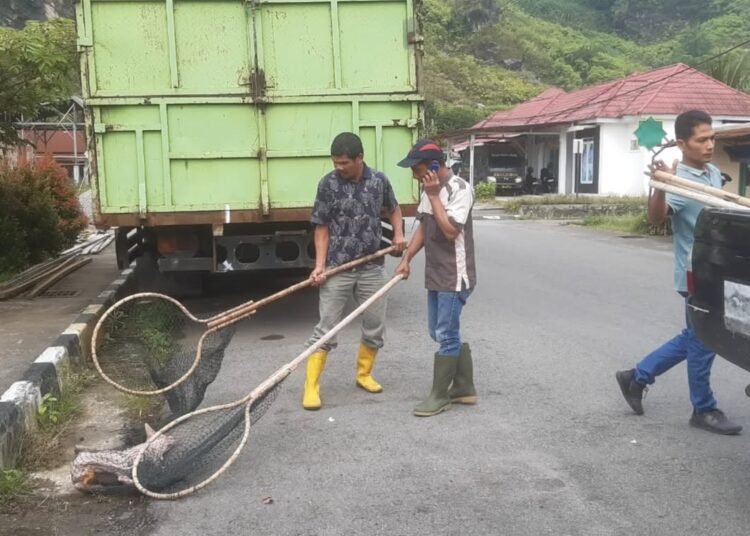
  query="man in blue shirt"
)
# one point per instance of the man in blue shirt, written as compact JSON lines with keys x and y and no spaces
{"x":695,"y":138}
{"x":349,"y":203}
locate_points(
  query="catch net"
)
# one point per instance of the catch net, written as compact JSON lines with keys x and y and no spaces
{"x":149,"y":344}
{"x":198,"y":448}
{"x":203,"y":444}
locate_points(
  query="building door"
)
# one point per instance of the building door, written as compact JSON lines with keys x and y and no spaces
{"x":586,"y":152}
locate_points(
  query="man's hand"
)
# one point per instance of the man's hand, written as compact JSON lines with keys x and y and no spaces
{"x":403,"y":269}
{"x":659,"y":165}
{"x":431,"y":183}
{"x":399,"y":241}
{"x":317,"y":276}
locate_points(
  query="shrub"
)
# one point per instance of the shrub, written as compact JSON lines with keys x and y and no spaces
{"x":484,"y":190}
{"x":48,"y":176}
{"x":39,"y":214}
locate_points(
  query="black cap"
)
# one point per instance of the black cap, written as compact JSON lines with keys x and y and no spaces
{"x":422,"y":150}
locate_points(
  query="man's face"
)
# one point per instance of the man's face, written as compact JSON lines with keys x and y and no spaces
{"x":348,"y":168}
{"x":420,"y":170}
{"x":699,"y":148}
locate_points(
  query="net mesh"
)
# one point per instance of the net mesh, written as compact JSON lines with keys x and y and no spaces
{"x":149,"y":343}
{"x":199,"y":446}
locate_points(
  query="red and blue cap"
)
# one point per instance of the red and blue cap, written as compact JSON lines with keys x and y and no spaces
{"x":422,"y":150}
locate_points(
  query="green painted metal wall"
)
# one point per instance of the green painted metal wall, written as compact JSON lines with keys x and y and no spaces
{"x":199,"y":104}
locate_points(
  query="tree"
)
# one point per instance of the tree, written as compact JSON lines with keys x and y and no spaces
{"x":37,"y":65}
{"x":733,"y":70}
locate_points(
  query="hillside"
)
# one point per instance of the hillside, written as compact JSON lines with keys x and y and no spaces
{"x":484,"y":55}
{"x":15,"y":13}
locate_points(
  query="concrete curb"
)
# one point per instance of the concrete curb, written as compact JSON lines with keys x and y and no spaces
{"x":495,"y":217}
{"x":18,"y":405}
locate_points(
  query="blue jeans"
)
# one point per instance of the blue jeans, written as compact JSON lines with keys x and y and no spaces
{"x":444,"y":319}
{"x":685,"y":346}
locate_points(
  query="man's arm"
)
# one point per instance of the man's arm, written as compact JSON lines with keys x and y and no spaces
{"x":432,"y":188}
{"x":321,"y":253}
{"x":415,"y":245}
{"x":397,"y":222}
{"x":393,"y":211}
{"x":658,"y":208}
{"x":441,"y":218}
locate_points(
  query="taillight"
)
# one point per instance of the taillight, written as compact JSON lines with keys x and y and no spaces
{"x":690,"y":283}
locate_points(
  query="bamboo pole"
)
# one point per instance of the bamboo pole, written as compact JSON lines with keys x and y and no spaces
{"x":668,"y":178}
{"x":695,"y":195}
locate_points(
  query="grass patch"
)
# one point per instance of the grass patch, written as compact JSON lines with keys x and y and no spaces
{"x":155,"y":324}
{"x":636,"y":224}
{"x":41,"y":448}
{"x":515,"y":204}
{"x":138,"y":407}
{"x":14,"y":484}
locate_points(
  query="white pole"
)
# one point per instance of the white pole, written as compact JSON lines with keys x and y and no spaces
{"x":562,"y":164}
{"x":76,"y":174}
{"x":472,"y":139}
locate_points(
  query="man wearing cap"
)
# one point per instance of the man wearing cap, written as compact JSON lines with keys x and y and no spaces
{"x":445,"y":231}
{"x":348,"y":206}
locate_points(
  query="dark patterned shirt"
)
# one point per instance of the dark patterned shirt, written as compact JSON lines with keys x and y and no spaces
{"x":352,"y":212}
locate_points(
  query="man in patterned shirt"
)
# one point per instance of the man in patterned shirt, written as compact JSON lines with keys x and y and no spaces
{"x":446,"y":233}
{"x":348,"y":206}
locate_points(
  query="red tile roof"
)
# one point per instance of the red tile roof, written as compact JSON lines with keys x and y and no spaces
{"x":669,"y":90}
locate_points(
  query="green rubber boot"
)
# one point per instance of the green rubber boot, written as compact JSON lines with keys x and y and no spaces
{"x":463,"y":391}
{"x":444,"y":369}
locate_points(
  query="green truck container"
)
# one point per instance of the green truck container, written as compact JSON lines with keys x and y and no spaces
{"x":210,"y":121}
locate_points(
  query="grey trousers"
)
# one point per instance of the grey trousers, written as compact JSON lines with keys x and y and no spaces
{"x":359,"y":284}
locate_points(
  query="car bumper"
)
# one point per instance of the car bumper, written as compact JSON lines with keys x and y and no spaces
{"x":710,"y":325}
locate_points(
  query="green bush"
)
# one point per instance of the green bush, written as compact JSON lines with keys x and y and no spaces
{"x":484,"y":190}
{"x":39,"y":214}
{"x":13,"y":484}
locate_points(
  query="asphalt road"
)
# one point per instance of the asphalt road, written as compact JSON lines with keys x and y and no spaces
{"x":551,"y":448}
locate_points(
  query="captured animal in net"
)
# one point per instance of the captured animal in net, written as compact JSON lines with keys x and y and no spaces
{"x":149,"y":344}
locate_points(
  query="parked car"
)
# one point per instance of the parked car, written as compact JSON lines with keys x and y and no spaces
{"x":719,"y":284}
{"x":506,"y":165}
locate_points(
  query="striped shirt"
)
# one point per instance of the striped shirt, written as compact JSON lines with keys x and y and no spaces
{"x":449,"y":264}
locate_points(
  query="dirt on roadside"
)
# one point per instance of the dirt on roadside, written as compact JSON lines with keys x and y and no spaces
{"x":54,"y":507}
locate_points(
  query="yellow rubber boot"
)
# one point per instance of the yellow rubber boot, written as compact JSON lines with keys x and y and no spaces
{"x":365,"y":361}
{"x":315,"y":364}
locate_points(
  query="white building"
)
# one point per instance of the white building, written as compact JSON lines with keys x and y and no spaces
{"x":589,"y":135}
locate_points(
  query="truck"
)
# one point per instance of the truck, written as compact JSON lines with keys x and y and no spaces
{"x":502,"y":163}
{"x":719,"y":284}
{"x":209,"y":122}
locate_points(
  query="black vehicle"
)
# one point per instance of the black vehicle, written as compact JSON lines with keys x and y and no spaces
{"x":719,"y":284}
{"x":506,"y":165}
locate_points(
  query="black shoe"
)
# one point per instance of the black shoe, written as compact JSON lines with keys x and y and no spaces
{"x":631,"y":389}
{"x":715,"y":421}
